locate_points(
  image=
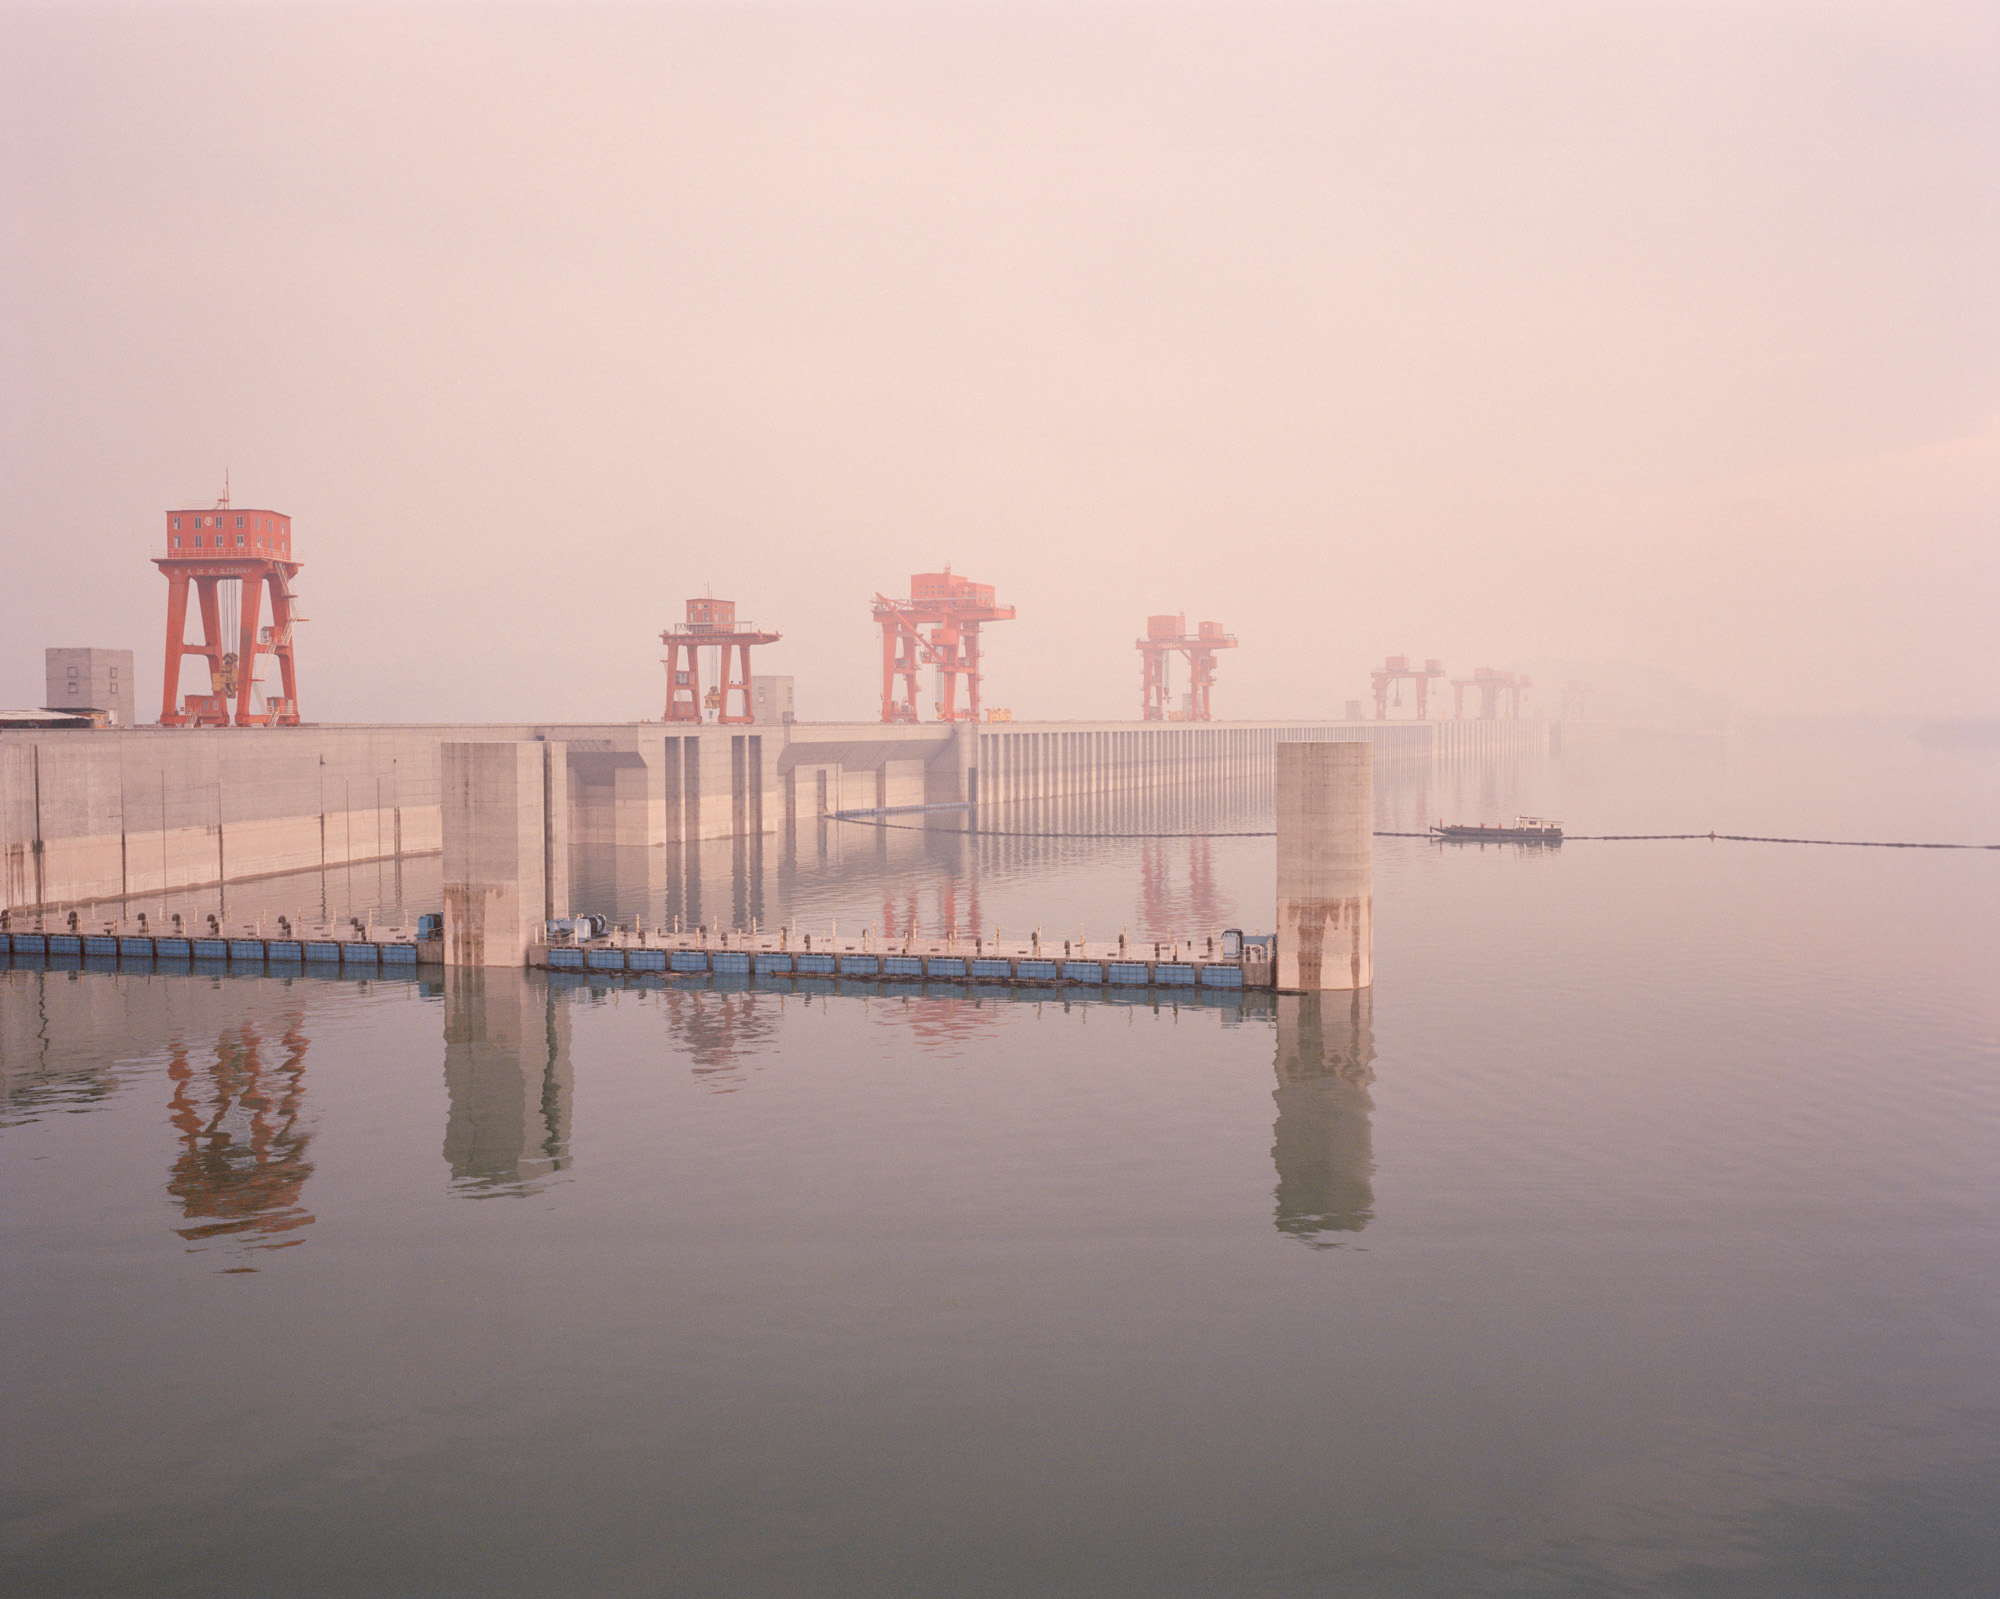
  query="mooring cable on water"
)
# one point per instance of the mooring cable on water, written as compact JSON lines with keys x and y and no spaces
{"x":1568,"y":838}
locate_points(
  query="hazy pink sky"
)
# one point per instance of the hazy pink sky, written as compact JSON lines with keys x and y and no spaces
{"x":1659,"y":334}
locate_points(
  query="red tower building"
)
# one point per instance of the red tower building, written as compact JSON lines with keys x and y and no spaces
{"x":710,"y":624}
{"x":1166,"y":635}
{"x":953,"y":609}
{"x":230,"y":556}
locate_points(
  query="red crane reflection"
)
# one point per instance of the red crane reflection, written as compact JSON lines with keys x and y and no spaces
{"x":1166,"y":911}
{"x":242,"y":1165}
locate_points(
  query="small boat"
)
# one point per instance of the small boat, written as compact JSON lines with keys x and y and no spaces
{"x":1522,"y":830}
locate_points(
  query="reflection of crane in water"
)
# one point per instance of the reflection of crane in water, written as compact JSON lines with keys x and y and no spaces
{"x":1322,"y":1143}
{"x":906,"y":919}
{"x":243,"y":1161}
{"x":891,"y":928}
{"x":1164,"y":911}
{"x":940,"y":1024}
{"x":714,"y":1025}
{"x":949,"y":921}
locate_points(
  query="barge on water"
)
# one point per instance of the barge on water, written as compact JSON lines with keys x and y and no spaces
{"x":1522,"y":830}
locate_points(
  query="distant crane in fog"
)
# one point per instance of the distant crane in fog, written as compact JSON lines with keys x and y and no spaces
{"x":1393,"y":672}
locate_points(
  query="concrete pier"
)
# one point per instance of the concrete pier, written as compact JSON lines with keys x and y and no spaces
{"x":506,"y":848}
{"x":1326,"y":867}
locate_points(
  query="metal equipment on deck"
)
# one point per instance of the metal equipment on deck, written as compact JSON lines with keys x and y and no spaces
{"x":222,"y":551}
{"x":1166,"y":636}
{"x":1394,"y":671}
{"x":938,"y":625}
{"x":711,"y":624}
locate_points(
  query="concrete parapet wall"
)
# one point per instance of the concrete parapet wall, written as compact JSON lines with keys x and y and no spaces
{"x":100,"y":815}
{"x":1038,"y":763}
{"x":1478,"y":740}
{"x":89,"y":816}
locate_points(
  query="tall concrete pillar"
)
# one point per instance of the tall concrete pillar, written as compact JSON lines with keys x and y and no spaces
{"x":506,"y":847}
{"x":672,"y":793}
{"x":1326,"y":867}
{"x":639,"y":794}
{"x":556,"y":834}
{"x":948,"y":773}
{"x":691,"y":750}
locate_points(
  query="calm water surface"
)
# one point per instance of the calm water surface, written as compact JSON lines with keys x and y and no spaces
{"x":1640,"y":1233}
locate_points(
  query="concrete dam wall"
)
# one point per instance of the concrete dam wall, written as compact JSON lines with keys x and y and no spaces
{"x":92,"y":816}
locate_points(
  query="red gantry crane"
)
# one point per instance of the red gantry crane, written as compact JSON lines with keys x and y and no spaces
{"x":230,"y":556}
{"x":710,"y":624}
{"x":938,"y":625}
{"x":1492,"y":686}
{"x":1164,"y":636}
{"x":1393,"y":671}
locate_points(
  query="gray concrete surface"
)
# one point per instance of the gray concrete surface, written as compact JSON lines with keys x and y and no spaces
{"x":91,"y":680}
{"x":505,"y":842}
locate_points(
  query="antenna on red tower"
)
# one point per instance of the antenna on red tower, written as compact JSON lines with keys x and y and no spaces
{"x":224,"y":501}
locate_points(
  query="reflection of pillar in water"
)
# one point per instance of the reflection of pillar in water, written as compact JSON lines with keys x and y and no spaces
{"x":746,"y":872}
{"x":1322,"y":1147}
{"x":507,"y":1072}
{"x":682,"y":866}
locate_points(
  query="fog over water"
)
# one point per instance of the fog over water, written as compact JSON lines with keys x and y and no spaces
{"x":1637,"y":1233}
{"x":1649,"y":334}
